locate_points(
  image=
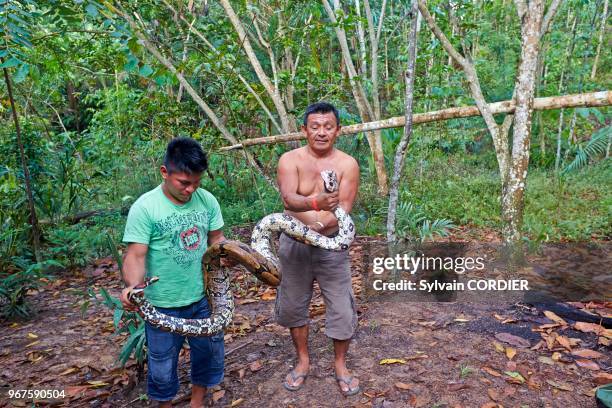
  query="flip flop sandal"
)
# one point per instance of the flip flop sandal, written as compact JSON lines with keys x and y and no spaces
{"x":348,"y":380}
{"x":294,"y":378}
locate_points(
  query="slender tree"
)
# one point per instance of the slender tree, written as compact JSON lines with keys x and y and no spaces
{"x":402,"y":147}
{"x":26,"y":172}
{"x":602,"y":29}
{"x":512,"y":160}
{"x":366,"y":110}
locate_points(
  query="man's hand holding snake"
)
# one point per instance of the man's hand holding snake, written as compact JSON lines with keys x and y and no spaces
{"x":326,"y":201}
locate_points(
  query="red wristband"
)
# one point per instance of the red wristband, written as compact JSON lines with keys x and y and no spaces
{"x":313,"y":204}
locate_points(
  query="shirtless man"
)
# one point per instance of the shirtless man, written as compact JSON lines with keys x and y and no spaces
{"x":305,"y":198}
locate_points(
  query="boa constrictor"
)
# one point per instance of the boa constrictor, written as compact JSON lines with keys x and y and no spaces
{"x":258,"y":259}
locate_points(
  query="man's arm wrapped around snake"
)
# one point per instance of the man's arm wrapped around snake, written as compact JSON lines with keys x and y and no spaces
{"x":259,"y":259}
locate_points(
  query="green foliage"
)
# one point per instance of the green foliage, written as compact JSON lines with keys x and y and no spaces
{"x":127,"y":322}
{"x":124,"y":321}
{"x":115,"y":252}
{"x":75,"y":246}
{"x":411,"y":223}
{"x":588,"y":151}
{"x":14,"y":288}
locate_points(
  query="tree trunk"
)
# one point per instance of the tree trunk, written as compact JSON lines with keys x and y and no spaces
{"x":541,"y":78}
{"x":273,"y":91}
{"x":26,"y":172}
{"x":513,"y":191}
{"x":73,"y":105}
{"x":365,"y":109}
{"x":567,"y":65}
{"x":361,"y":36}
{"x":402,"y":147}
{"x":604,"y":18}
{"x":572,"y":129}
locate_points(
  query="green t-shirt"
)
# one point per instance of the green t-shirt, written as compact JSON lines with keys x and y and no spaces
{"x":177,"y":236}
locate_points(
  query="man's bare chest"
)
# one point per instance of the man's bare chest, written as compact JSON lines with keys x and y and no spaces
{"x":309,"y":177}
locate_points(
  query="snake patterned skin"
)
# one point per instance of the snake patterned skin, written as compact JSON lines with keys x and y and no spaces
{"x":258,"y":259}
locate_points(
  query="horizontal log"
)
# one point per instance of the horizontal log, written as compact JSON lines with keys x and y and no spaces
{"x":593,"y":99}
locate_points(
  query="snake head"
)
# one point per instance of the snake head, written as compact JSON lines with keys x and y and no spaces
{"x":137,"y":291}
{"x":330,"y":180}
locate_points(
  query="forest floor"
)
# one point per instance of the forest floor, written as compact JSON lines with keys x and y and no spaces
{"x":447,"y":354}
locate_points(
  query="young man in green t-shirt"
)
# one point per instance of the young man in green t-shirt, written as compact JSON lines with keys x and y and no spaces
{"x":168,"y":230}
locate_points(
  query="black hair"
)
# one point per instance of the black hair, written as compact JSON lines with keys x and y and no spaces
{"x":321,"y":107}
{"x":185,"y":155}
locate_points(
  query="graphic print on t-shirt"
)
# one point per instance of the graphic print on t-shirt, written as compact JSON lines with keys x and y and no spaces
{"x":185,"y":234}
{"x":190,"y":239}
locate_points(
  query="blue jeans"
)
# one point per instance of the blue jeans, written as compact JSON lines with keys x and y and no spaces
{"x":207,"y":354}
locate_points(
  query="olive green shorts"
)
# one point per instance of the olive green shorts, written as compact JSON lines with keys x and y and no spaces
{"x":300,"y":265}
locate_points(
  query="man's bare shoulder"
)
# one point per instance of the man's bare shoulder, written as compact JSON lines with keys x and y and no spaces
{"x":292,"y":154}
{"x":347,"y":161}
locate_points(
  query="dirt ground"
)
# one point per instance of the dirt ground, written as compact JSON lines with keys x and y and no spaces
{"x":453,"y":354}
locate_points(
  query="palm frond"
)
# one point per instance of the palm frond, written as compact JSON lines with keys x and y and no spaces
{"x":596,"y":146}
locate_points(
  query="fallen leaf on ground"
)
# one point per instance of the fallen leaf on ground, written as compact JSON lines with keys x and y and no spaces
{"x":269,"y":294}
{"x":564,"y":342}
{"x":69,"y":371}
{"x":515,"y":377}
{"x":512,"y":339}
{"x":96,"y":383}
{"x":510,"y":353}
{"x":534,"y":382}
{"x":560,"y":385}
{"x":491,"y":371}
{"x":392,"y":361}
{"x":546,"y":360}
{"x":602,"y":379}
{"x":74,"y":390}
{"x":588,"y":364}
{"x":237,"y":402}
{"x":454,"y":387}
{"x":587,"y":353}
{"x":550,"y":339}
{"x":217,"y":395}
{"x":590,"y":328}
{"x":374,"y":393}
{"x":547,"y":326}
{"x":493,"y":394}
{"x":504,"y":319}
{"x":417,"y":356}
{"x":498,"y":347}
{"x":403,"y":386}
{"x":255,"y":366}
{"x":32,"y":336}
{"x":552,"y":316}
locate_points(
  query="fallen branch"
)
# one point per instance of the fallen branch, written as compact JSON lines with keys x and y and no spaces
{"x":593,"y":99}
